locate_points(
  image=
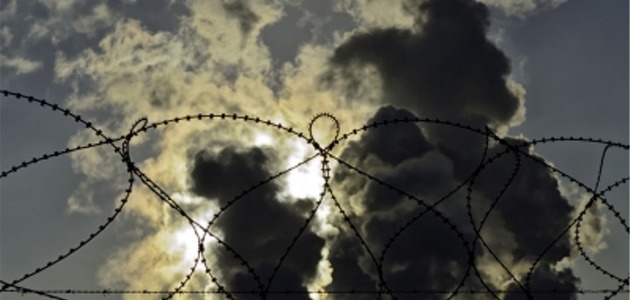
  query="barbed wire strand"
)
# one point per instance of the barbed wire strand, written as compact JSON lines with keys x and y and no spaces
{"x":202,"y":232}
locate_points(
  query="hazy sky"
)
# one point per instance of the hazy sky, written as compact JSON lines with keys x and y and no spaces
{"x":525,"y":69}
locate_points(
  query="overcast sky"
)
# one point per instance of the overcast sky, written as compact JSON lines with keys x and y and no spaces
{"x":525,"y":69}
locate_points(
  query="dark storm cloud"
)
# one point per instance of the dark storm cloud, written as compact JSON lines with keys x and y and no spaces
{"x":243,"y":13}
{"x":258,"y":227}
{"x":403,"y":142}
{"x":445,"y":68}
{"x":544,"y":278}
{"x":534,"y":210}
{"x":533,"y":205}
{"x":428,"y":255}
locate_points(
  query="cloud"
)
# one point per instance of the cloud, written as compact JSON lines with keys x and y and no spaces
{"x":156,"y":260}
{"x":258,"y":226}
{"x":100,"y":16}
{"x":243,"y":13}
{"x":428,"y":255}
{"x":63,"y":5}
{"x":8,"y":10}
{"x":522,"y":8}
{"x":82,"y":200}
{"x":69,"y":23}
{"x":19,"y":64}
{"x":413,"y":263}
{"x":6,"y":36}
{"x":428,"y":59}
{"x":377,"y":14}
{"x":445,"y":68}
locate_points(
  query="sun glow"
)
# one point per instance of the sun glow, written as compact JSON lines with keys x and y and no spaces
{"x":184,"y":240}
{"x":305,"y":181}
{"x":262,"y":139}
{"x":323,"y":277}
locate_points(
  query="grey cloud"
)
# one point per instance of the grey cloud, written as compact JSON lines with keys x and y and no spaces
{"x":243,"y":13}
{"x":403,"y":142}
{"x":534,"y":206}
{"x":545,"y":278}
{"x":228,"y":174}
{"x":444,"y":68}
{"x":50,"y":31}
{"x":258,"y":226}
{"x":162,"y":94}
{"x":428,"y":255}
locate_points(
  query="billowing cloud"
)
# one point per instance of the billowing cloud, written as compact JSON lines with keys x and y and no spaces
{"x":444,"y":68}
{"x":428,"y":255}
{"x":426,"y":59}
{"x":258,"y":226}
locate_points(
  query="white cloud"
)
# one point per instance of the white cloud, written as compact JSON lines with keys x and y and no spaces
{"x":593,"y":227}
{"x":521,"y":8}
{"x":82,"y":200}
{"x":21,"y":65}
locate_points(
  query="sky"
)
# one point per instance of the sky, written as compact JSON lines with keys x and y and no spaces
{"x":522,"y":69}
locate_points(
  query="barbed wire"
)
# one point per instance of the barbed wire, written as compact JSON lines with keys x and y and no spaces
{"x":297,"y":292}
{"x":520,"y":150}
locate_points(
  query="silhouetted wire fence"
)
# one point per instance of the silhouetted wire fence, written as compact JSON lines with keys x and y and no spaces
{"x":120,"y":145}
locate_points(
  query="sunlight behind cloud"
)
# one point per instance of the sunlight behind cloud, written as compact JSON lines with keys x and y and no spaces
{"x":305,"y":181}
{"x":215,"y":61}
{"x":184,"y":239}
{"x":262,"y":139}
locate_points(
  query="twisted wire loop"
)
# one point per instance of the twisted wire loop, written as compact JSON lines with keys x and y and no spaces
{"x":518,"y":152}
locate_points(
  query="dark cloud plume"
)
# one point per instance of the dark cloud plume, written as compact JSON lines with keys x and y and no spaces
{"x":428,"y":255}
{"x":257,"y":226}
{"x":445,"y":67}
{"x":243,"y":13}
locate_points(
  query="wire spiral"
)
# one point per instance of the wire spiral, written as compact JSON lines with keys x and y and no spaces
{"x":471,"y":245}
